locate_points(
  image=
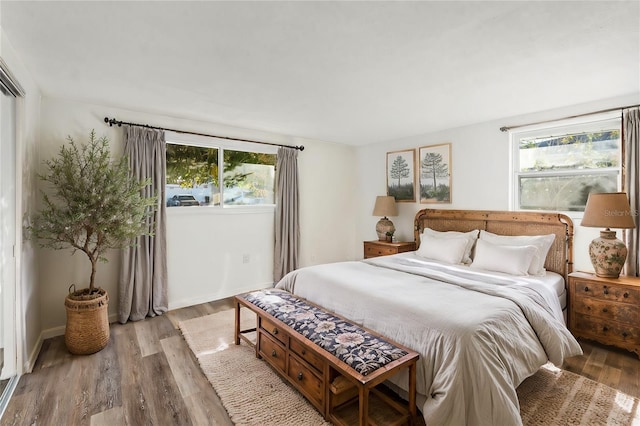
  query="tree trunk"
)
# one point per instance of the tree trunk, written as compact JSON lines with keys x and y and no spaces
{"x":93,"y":274}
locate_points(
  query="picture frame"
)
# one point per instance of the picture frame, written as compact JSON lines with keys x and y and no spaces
{"x":401,"y":176}
{"x":434,"y":174}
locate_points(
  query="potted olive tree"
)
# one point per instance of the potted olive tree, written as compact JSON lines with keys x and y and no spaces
{"x":92,"y":205}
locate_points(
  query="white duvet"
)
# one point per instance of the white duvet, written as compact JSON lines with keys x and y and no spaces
{"x":479,"y":334}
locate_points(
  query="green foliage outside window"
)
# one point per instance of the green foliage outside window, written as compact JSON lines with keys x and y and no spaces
{"x":557,"y":173}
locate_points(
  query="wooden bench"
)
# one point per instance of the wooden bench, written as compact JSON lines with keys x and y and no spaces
{"x":345,"y":393}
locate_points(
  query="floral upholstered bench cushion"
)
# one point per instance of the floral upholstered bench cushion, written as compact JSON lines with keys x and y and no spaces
{"x":350,"y":343}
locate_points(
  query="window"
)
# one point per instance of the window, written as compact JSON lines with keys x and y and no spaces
{"x":248,"y":178}
{"x":193,"y":175}
{"x":555,"y":168}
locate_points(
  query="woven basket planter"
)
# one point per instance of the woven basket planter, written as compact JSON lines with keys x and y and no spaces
{"x":87,"y":329}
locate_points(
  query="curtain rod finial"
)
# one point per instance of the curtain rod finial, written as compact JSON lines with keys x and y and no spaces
{"x":301,"y":147}
{"x":112,"y":122}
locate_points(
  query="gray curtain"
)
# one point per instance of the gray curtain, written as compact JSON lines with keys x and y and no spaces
{"x":631,"y":141}
{"x":287,"y":225}
{"x":143,"y":274}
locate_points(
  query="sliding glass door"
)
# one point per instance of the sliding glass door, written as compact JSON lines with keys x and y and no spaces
{"x":7,"y":233}
{"x":10,"y":207}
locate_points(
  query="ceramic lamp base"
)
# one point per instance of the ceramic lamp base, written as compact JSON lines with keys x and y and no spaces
{"x":383,"y":226}
{"x":607,"y":254}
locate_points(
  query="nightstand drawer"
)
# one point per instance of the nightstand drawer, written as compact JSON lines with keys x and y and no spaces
{"x":378,"y":250}
{"x":622,"y":312}
{"x":607,"y":291}
{"x":603,"y":330}
{"x":381,"y":248}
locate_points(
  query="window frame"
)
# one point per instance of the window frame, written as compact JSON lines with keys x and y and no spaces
{"x":222,"y":144}
{"x":591,"y":123}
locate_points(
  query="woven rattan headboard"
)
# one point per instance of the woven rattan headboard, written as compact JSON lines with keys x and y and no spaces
{"x":560,"y":257}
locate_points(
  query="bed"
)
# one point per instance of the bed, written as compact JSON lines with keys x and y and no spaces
{"x":480,"y":332}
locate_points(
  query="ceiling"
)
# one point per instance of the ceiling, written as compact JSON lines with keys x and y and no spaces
{"x":347,"y":72}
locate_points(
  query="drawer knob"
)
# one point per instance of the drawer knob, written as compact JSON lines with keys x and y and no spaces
{"x":275,"y":331}
{"x":605,"y":328}
{"x":274,"y":353}
{"x":586,"y":288}
{"x":624,"y":334}
{"x":605,"y":310}
{"x":300,"y":375}
{"x":625,"y":295}
{"x":304,"y":352}
{"x":606,"y":290}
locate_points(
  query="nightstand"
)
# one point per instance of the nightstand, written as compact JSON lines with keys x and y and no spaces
{"x":382,"y":248}
{"x":606,"y":310}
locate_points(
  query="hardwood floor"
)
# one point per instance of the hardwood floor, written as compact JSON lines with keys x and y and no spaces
{"x":148,"y":376}
{"x":614,"y":367}
{"x":145,"y":376}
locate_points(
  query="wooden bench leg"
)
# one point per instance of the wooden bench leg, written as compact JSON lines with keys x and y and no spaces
{"x":364,"y":405}
{"x":412,"y":394}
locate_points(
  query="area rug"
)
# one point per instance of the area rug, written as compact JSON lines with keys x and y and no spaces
{"x":253,"y":394}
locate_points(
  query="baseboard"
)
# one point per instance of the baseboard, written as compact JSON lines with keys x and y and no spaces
{"x":183,"y":303}
{"x":52,"y":332}
{"x":33,"y":356}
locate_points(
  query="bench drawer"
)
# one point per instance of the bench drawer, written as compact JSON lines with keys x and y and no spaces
{"x":274,"y":330}
{"x":272,"y":352}
{"x":306,"y":381}
{"x":311,"y":357}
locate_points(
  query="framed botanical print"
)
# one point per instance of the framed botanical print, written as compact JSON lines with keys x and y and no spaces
{"x":434,"y":165}
{"x":401,"y":175}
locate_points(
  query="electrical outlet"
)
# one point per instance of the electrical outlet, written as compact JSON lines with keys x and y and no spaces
{"x":246,"y":258}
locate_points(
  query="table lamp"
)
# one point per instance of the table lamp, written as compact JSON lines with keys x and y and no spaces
{"x":608,"y":210}
{"x":385,"y":206}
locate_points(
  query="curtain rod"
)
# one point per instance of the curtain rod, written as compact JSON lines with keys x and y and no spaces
{"x":506,"y":128}
{"x":114,"y":122}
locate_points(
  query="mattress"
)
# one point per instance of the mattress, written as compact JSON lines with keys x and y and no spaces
{"x":556,"y":282}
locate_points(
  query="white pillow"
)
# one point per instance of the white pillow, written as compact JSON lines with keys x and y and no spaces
{"x":470,"y":236}
{"x":514,"y":260}
{"x":541,"y":242}
{"x":450,"y":250}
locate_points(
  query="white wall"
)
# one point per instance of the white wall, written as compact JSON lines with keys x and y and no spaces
{"x":480,"y":169}
{"x":206,"y":248}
